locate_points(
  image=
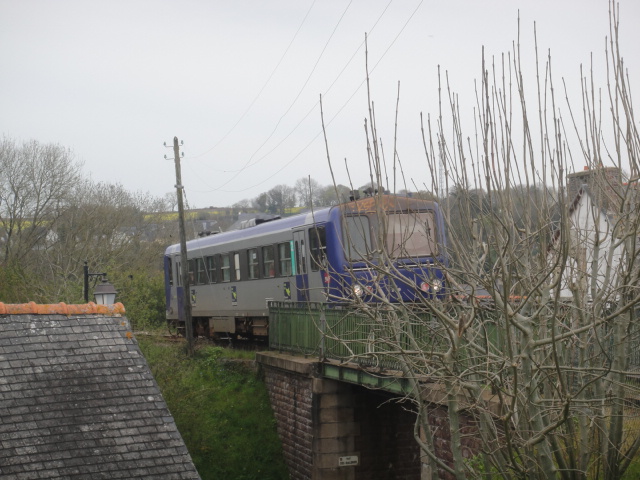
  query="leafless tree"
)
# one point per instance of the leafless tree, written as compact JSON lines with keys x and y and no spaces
{"x":170,"y":201}
{"x":333,"y":195}
{"x":111,"y":228}
{"x":242,"y":205}
{"x":35,"y":186}
{"x":308,"y":192}
{"x":534,"y":339}
{"x":259,"y":203}
{"x":280,"y":198}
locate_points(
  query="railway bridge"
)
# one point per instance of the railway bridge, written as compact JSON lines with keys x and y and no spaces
{"x":340,"y":402}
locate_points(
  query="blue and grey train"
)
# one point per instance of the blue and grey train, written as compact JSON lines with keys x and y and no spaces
{"x":329,"y":255}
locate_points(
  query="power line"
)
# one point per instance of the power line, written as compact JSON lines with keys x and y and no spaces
{"x":263,"y":86}
{"x":248,"y":162}
{"x":315,"y":105}
{"x":357,"y":89}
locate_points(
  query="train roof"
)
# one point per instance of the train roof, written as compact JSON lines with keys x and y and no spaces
{"x":390,"y":203}
{"x":363,"y":205}
{"x":273,"y":226}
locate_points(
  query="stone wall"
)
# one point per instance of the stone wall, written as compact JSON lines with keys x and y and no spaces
{"x":292,"y":403}
{"x":335,"y":430}
{"x":439,"y":421}
{"x":387,"y":447}
{"x":322,"y":422}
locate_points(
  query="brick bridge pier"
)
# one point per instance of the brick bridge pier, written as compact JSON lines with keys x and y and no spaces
{"x":333,"y":429}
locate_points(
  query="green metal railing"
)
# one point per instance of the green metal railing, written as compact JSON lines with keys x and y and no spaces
{"x":375,"y":337}
{"x":295,"y":327}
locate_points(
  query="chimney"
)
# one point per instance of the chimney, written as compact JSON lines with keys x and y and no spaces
{"x":604,"y":184}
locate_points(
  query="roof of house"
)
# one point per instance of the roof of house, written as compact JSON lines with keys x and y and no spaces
{"x":77,"y":398}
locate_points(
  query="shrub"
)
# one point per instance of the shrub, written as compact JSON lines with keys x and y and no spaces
{"x":221,"y":409}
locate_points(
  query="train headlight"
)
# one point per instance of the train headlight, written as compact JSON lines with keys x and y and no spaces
{"x":435,"y":286}
{"x":357,"y":289}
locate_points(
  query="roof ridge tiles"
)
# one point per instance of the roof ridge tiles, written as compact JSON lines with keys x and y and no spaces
{"x":60,"y":309}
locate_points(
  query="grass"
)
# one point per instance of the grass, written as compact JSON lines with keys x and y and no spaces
{"x":221,"y":409}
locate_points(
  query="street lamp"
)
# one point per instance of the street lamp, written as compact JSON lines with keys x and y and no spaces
{"x":104,"y":293}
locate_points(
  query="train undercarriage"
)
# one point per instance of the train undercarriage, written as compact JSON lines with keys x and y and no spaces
{"x":226,"y":328}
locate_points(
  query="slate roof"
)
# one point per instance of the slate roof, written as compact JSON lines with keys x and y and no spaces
{"x":78,"y":401}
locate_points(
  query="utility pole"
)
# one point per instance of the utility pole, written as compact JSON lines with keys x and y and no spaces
{"x":184,"y":263}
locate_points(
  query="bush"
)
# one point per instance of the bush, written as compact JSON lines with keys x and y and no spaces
{"x":221,"y":409}
{"x":13,"y":285}
{"x":144,"y":299}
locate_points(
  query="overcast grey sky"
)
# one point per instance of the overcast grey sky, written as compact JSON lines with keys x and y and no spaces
{"x":239,"y":81}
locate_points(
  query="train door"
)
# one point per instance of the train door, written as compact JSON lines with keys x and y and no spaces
{"x":301,"y":273}
{"x":318,"y":262}
{"x":168,"y":286}
{"x":179,"y":291}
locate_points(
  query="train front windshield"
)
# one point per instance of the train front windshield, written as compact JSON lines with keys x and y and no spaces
{"x":411,"y":235}
{"x":406,"y":235}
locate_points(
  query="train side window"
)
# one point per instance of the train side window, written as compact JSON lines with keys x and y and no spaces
{"x":192,"y":271}
{"x":284,"y":256}
{"x":211,"y":268}
{"x":170,"y":272}
{"x":252,"y":262}
{"x":318,"y":248}
{"x":179,"y":274}
{"x":268,"y":262}
{"x":303,"y":257}
{"x":201,"y":273}
{"x":225,"y":267}
{"x":357,"y":237}
{"x":236,"y":264}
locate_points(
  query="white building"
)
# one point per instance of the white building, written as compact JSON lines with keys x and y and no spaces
{"x":593,"y":252}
